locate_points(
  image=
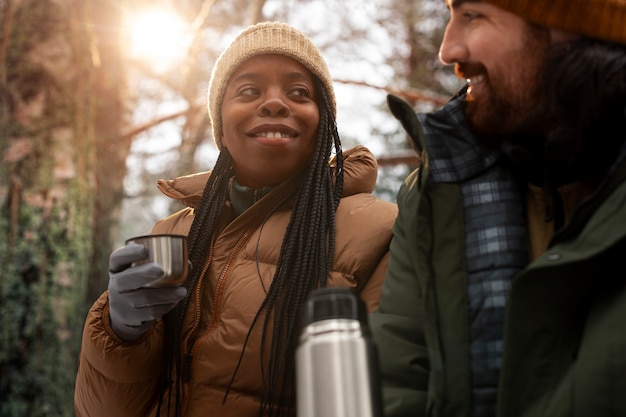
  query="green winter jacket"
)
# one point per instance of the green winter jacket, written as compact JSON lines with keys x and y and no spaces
{"x":564,"y":321}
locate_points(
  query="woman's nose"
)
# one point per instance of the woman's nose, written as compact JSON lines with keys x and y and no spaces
{"x":453,"y":48}
{"x":274,"y":107}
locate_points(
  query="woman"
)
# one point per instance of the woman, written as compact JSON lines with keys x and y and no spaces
{"x":272,"y":221}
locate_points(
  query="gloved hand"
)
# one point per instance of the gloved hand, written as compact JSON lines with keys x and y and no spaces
{"x":134,"y":309}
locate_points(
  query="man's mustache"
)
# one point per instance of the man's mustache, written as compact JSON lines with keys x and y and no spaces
{"x":467,"y":70}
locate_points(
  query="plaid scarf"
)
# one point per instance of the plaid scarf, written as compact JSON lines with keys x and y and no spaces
{"x":495,"y":237}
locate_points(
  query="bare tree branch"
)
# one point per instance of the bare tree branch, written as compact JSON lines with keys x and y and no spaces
{"x":202,"y":15}
{"x":256,"y":11}
{"x":410,"y":158}
{"x":412,"y":96}
{"x":154,"y":122}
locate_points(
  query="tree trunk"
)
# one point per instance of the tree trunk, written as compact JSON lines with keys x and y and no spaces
{"x":111,"y":146}
{"x":60,"y":186}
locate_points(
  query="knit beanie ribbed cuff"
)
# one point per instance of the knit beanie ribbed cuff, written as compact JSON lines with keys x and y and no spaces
{"x":600,"y":19}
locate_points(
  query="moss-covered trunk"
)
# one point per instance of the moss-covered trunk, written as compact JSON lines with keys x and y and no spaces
{"x":54,"y":89}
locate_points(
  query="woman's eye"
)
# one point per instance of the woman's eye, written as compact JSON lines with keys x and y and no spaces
{"x":249,"y":91}
{"x":300,"y":92}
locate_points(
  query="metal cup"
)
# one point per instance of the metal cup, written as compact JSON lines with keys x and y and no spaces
{"x":169,"y":251}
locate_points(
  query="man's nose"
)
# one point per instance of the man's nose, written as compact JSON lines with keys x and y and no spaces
{"x":453,"y":48}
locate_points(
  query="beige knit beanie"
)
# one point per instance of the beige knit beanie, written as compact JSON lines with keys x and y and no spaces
{"x":600,"y":19}
{"x":263,"y":38}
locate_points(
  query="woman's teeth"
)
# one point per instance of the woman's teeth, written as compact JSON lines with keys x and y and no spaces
{"x":272,"y":135}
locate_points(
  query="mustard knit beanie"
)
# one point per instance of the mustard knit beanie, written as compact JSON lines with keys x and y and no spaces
{"x":259,"y":39}
{"x":600,"y":19}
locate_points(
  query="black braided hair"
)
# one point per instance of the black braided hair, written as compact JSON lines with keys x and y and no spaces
{"x":203,"y":228}
{"x":303,"y":265}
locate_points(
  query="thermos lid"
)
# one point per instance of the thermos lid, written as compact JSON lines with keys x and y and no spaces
{"x":334,"y":303}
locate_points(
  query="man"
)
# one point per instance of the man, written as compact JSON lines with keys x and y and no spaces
{"x":506,"y":293}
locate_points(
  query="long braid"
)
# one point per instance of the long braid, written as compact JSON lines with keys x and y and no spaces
{"x":303,"y":265}
{"x":204,"y":227}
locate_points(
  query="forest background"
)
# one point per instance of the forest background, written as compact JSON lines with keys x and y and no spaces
{"x":94,"y":111}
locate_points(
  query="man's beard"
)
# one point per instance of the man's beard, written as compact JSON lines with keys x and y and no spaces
{"x":511,"y":102}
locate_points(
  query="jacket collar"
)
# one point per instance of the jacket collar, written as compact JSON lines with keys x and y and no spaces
{"x":449,"y":151}
{"x":460,"y":156}
{"x":242,"y":197}
{"x":360,"y":174}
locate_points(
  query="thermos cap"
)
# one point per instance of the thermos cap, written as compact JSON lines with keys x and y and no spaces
{"x":334,"y":303}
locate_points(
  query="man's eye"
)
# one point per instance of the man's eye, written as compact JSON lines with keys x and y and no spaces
{"x":471,"y":15}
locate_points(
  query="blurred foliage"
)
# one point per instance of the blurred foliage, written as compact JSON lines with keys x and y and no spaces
{"x":40,"y":317}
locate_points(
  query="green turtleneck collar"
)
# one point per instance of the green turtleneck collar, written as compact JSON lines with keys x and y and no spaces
{"x":242,"y":197}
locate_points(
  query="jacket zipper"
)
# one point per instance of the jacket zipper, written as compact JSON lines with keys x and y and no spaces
{"x":191,"y":346}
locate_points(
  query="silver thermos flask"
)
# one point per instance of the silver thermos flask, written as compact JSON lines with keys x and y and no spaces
{"x":336,"y":360}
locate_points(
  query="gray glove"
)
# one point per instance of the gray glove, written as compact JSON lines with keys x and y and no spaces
{"x":134,"y":309}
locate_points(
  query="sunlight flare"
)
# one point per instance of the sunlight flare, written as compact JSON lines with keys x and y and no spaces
{"x":157,"y":36}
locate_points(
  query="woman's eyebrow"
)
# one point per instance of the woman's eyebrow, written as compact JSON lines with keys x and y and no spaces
{"x":245,"y":76}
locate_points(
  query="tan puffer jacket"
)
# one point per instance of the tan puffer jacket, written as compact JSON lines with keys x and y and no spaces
{"x":120,"y":379}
